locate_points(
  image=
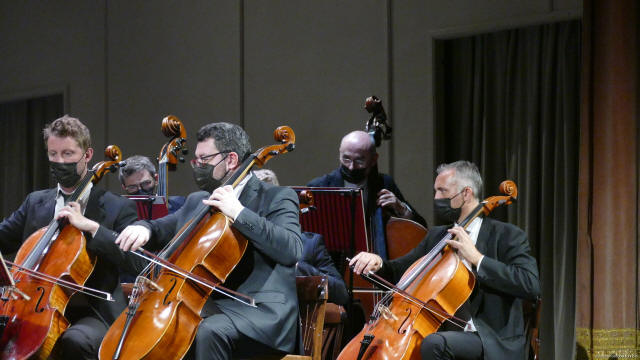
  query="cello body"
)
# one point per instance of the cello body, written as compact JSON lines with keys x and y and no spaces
{"x":165,"y":322}
{"x":33,"y":326}
{"x":399,"y":329}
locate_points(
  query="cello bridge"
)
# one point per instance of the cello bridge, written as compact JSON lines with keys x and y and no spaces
{"x":386,"y":313}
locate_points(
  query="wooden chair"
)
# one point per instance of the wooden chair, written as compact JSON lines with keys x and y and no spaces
{"x":313,"y":292}
{"x":334,"y":318}
{"x":531,"y":312}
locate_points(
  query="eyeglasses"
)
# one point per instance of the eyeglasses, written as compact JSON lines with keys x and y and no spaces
{"x":146,"y":185}
{"x":201,"y":161}
{"x":357,"y":162}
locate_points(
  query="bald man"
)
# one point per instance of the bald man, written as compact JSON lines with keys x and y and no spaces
{"x":359,"y":169}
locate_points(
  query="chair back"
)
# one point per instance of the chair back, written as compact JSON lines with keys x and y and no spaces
{"x":531,"y":313}
{"x":313,"y":292}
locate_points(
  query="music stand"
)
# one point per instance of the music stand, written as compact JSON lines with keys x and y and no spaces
{"x":149,"y":207}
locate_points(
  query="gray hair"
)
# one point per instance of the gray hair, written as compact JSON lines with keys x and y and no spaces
{"x":226,"y":137}
{"x":267,"y":176}
{"x":134,"y":164}
{"x":466,"y":174}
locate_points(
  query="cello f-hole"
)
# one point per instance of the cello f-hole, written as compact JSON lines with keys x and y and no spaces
{"x":401,"y":329}
{"x":165,"y":302}
{"x":42,"y":291}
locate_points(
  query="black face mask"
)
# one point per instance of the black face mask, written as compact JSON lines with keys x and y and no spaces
{"x":65,"y":174}
{"x":443,"y":213}
{"x":144,"y":192}
{"x":355,"y":176}
{"x":203,"y":176}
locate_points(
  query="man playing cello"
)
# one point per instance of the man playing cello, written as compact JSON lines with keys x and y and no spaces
{"x":496,"y":252}
{"x":68,"y":144}
{"x":267,"y":216}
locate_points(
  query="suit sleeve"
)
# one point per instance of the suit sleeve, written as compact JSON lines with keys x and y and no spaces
{"x":103,"y":243}
{"x":12,"y":227}
{"x":515,"y":271}
{"x":320,"y":263}
{"x":277,"y":234}
{"x":393,"y":270}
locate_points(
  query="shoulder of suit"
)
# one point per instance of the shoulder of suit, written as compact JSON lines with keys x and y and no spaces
{"x":502,"y":226}
{"x":326,"y":179}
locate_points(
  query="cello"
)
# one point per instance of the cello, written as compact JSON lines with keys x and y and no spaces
{"x":162,"y":319}
{"x":50,"y":266}
{"x":428,"y":294}
{"x":171,"y":153}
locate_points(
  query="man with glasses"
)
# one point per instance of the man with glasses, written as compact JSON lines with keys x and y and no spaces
{"x":139,"y":177}
{"x":267,"y":216}
{"x":359,"y":168}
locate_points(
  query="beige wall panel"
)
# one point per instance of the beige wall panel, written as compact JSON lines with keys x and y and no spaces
{"x":178,"y":57}
{"x":310,"y":64}
{"x":51,"y":47}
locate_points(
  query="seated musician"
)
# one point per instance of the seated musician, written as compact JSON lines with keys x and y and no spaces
{"x":139,"y":177}
{"x":358,"y":168}
{"x":498,"y":255}
{"x":315,"y":260}
{"x":268,"y":217}
{"x":98,"y":215}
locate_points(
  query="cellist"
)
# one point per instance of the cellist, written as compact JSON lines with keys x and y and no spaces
{"x":267,"y":216}
{"x":68,"y":144}
{"x":496,"y":252}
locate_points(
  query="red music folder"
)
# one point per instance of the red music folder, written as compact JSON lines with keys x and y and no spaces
{"x":338,"y":215}
{"x":149,"y":207}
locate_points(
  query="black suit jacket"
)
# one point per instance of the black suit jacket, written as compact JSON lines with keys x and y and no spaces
{"x":111,"y":212}
{"x":507,"y":275}
{"x":317,"y":261}
{"x":270,"y":222}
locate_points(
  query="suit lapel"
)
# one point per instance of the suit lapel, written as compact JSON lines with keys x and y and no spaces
{"x":249,"y":194}
{"x":95,"y":207}
{"x":486,"y":230}
{"x":485,"y":234}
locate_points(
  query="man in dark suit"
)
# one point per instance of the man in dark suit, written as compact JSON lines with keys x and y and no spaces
{"x":358,"y":168}
{"x":498,"y":255}
{"x":68,"y":144}
{"x":264,"y":214}
{"x":315,"y":260}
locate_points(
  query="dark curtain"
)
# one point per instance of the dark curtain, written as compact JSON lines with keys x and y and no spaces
{"x":24,"y":165}
{"x":509,"y":102}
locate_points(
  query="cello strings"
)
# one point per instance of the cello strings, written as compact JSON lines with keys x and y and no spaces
{"x":437,"y":312}
{"x":52,"y":279}
{"x":186,"y":275}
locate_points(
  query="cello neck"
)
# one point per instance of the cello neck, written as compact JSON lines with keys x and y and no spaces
{"x":163,"y":179}
{"x":431,"y":255}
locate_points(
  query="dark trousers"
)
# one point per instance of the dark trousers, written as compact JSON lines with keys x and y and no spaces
{"x":82,"y":339}
{"x":218,"y":338}
{"x":451,"y":345}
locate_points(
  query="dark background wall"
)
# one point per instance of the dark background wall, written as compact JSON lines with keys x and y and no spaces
{"x":123,"y":65}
